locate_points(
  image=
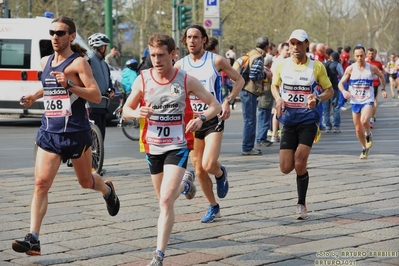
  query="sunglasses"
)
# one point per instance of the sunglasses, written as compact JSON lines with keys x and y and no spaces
{"x":59,"y":33}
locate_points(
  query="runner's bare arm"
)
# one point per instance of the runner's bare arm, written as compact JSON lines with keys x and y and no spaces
{"x":86,"y":87}
{"x":214,"y":107}
{"x":344,"y":79}
{"x":133,"y":100}
{"x":221,"y":63}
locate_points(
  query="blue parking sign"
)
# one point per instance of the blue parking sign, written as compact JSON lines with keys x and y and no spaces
{"x":211,"y":2}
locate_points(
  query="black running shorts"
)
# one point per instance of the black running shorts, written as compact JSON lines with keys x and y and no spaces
{"x":175,"y":157}
{"x":292,"y":136}
{"x":212,"y":125}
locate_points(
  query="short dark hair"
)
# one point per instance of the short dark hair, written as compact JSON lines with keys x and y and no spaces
{"x":162,"y":39}
{"x":347,"y":48}
{"x":358,"y":47}
{"x":285,"y":44}
{"x":231,"y":47}
{"x":262,"y":42}
{"x":329,"y":51}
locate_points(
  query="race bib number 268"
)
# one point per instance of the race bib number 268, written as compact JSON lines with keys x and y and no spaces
{"x":56,"y":102}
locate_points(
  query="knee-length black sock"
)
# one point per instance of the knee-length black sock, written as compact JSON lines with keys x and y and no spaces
{"x":302,"y":182}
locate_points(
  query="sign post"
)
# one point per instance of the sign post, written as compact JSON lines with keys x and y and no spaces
{"x":212,"y":14}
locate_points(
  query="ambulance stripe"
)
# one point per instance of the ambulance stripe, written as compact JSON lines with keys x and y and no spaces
{"x":16,"y":75}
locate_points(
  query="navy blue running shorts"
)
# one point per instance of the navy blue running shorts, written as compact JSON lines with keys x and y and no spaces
{"x":292,"y":136}
{"x":212,"y":125}
{"x":69,"y":145}
{"x":174,"y":157}
{"x":357,"y":108}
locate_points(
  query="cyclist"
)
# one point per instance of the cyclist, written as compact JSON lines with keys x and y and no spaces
{"x":99,"y":43}
{"x":129,"y":74}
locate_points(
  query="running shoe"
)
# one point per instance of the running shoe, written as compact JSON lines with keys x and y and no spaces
{"x":369,"y":141}
{"x":328,"y":130}
{"x":371,"y":122}
{"x":269,"y":133}
{"x":252,"y":152}
{"x":156,"y":260}
{"x":364,"y":154}
{"x":29,"y":246}
{"x":212,"y":213}
{"x":275,"y":139}
{"x":112,"y":201}
{"x":265,"y":143}
{"x":222,"y":184}
{"x":301,"y":212}
{"x":336,"y":130}
{"x":189,"y":177}
{"x":318,"y":135}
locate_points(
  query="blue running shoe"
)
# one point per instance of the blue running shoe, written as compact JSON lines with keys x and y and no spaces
{"x":212,"y":213}
{"x":222,"y":185}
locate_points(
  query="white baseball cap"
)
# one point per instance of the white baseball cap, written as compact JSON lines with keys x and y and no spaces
{"x":299,"y":34}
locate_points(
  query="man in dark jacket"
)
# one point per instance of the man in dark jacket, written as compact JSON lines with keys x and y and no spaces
{"x":334,"y":72}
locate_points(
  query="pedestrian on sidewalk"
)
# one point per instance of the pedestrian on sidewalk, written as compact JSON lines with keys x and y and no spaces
{"x":294,"y":86}
{"x":65,"y":132}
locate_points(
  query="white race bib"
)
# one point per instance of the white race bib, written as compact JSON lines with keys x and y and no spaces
{"x":165,"y":129}
{"x":56,"y":102}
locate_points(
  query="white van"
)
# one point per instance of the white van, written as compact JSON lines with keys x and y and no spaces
{"x":23,"y":42}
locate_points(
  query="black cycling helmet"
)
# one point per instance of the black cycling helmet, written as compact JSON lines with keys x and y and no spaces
{"x":132,"y":64}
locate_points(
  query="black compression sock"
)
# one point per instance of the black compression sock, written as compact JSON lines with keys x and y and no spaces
{"x":302,"y":182}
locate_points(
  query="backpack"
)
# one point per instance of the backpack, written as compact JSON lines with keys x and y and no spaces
{"x":331,"y":68}
{"x":242,"y":64}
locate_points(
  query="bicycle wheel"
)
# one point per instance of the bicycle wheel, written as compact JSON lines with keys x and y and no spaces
{"x":131,"y":129}
{"x":97,"y":149}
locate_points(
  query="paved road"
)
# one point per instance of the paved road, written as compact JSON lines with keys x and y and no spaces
{"x":352,"y":204}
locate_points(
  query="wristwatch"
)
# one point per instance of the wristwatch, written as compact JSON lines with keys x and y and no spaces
{"x":230,"y":100}
{"x":69,"y":84}
{"x":318,"y":99}
{"x":203,"y":118}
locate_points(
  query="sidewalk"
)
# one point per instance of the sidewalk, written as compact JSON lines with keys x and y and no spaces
{"x":352,"y":204}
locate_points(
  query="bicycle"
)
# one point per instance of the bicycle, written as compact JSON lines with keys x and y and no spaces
{"x":97,"y":149}
{"x":130,"y":128}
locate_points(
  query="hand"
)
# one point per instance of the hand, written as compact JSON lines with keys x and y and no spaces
{"x":26,"y":101}
{"x":225,"y":110}
{"x":346,"y":94}
{"x":60,"y":77}
{"x":111,"y":94}
{"x":279,"y":107}
{"x":194,"y":125}
{"x":384,"y":93}
{"x":312,"y":101}
{"x":146,"y":111}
